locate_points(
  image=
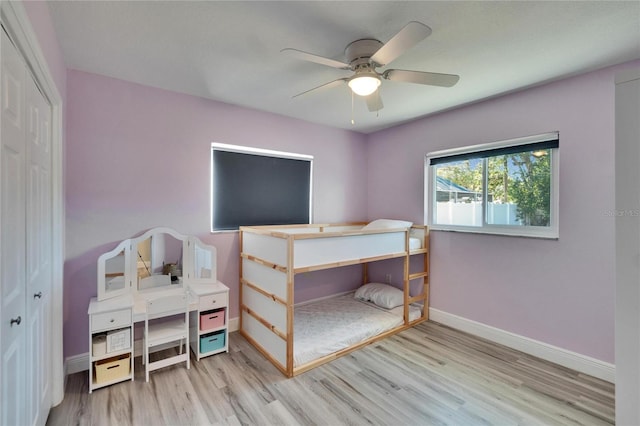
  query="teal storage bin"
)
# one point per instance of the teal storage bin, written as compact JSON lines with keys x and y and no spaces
{"x":212,"y":342}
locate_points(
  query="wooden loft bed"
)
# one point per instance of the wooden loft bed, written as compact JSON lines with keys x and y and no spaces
{"x":271,"y":256}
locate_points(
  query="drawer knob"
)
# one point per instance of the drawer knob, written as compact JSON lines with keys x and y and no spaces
{"x":37,"y":295}
{"x":16,"y":321}
{"x":112,"y":320}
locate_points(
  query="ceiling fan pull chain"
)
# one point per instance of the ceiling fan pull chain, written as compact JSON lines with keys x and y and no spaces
{"x":352,"y":120}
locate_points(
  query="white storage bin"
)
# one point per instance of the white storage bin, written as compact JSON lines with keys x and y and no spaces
{"x":118,"y":340}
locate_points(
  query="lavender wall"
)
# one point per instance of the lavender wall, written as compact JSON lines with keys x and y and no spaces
{"x":558,"y":292}
{"x":139,"y":157}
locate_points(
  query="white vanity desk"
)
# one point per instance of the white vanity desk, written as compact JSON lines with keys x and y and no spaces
{"x":122,"y":300}
{"x":207,"y":295}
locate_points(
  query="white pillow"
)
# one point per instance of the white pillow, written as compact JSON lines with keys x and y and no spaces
{"x":387,"y":224}
{"x":383,"y":295}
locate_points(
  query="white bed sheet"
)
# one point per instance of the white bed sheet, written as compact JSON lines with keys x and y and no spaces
{"x":324,"y":327}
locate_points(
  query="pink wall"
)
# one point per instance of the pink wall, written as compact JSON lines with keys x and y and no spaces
{"x":558,"y":292}
{"x":139,"y":157}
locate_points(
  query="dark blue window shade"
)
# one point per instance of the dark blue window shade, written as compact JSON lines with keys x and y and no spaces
{"x":535,"y":146}
{"x":253,"y":189}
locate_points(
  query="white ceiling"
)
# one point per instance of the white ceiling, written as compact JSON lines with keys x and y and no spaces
{"x":230,"y":51}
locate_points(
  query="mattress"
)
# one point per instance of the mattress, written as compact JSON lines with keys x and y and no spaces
{"x":327,"y":326}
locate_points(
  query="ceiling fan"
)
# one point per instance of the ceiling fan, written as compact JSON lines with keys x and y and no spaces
{"x":364,"y":56}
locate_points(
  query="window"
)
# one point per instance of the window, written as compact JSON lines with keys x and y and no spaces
{"x":508,"y":187}
{"x":251,"y":186}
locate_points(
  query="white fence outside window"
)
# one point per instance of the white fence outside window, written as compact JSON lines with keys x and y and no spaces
{"x":470,"y":214}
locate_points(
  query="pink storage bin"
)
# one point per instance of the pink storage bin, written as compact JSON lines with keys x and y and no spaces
{"x":212,"y":319}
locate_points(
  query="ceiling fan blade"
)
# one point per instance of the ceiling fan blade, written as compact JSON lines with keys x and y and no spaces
{"x":310,"y":57}
{"x":419,"y":77}
{"x":328,"y":85}
{"x":405,"y":39}
{"x":374,"y":101}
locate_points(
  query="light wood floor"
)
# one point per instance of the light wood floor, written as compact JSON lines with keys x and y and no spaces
{"x":428,"y":375}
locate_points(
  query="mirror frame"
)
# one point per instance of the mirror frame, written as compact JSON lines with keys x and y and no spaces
{"x":125,"y":247}
{"x":191,"y":276}
{"x":133,"y":261}
{"x":189,"y":246}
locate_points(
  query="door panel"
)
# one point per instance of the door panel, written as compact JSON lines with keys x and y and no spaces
{"x":12,"y":235}
{"x":33,"y":357}
{"x":13,"y":408}
{"x":38,"y":233}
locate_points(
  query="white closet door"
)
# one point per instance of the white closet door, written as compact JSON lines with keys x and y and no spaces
{"x":12,"y":235}
{"x":39,"y":266}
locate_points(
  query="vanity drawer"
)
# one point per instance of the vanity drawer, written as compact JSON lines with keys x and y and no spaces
{"x":110,"y":320}
{"x":212,"y":301}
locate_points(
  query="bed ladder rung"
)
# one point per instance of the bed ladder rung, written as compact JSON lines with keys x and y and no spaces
{"x":418,"y":251}
{"x":418,"y":275}
{"x":417,"y":298}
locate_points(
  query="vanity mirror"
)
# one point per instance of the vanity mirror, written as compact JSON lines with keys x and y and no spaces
{"x":203,"y":261}
{"x":161,"y":258}
{"x":112,"y":272}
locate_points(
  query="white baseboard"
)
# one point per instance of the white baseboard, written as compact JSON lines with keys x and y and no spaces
{"x":80,"y":362}
{"x":234,"y":324}
{"x":575,"y":361}
{"x":76,"y":363}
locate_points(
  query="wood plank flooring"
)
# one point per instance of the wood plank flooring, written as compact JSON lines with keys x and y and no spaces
{"x":427,"y":375}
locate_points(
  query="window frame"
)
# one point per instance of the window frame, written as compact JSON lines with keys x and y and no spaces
{"x":548,"y":232}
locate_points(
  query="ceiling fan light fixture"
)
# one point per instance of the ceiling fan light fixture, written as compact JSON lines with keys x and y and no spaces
{"x":364,"y":84}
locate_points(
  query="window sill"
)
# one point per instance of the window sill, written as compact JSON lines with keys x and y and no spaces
{"x":520,"y":233}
